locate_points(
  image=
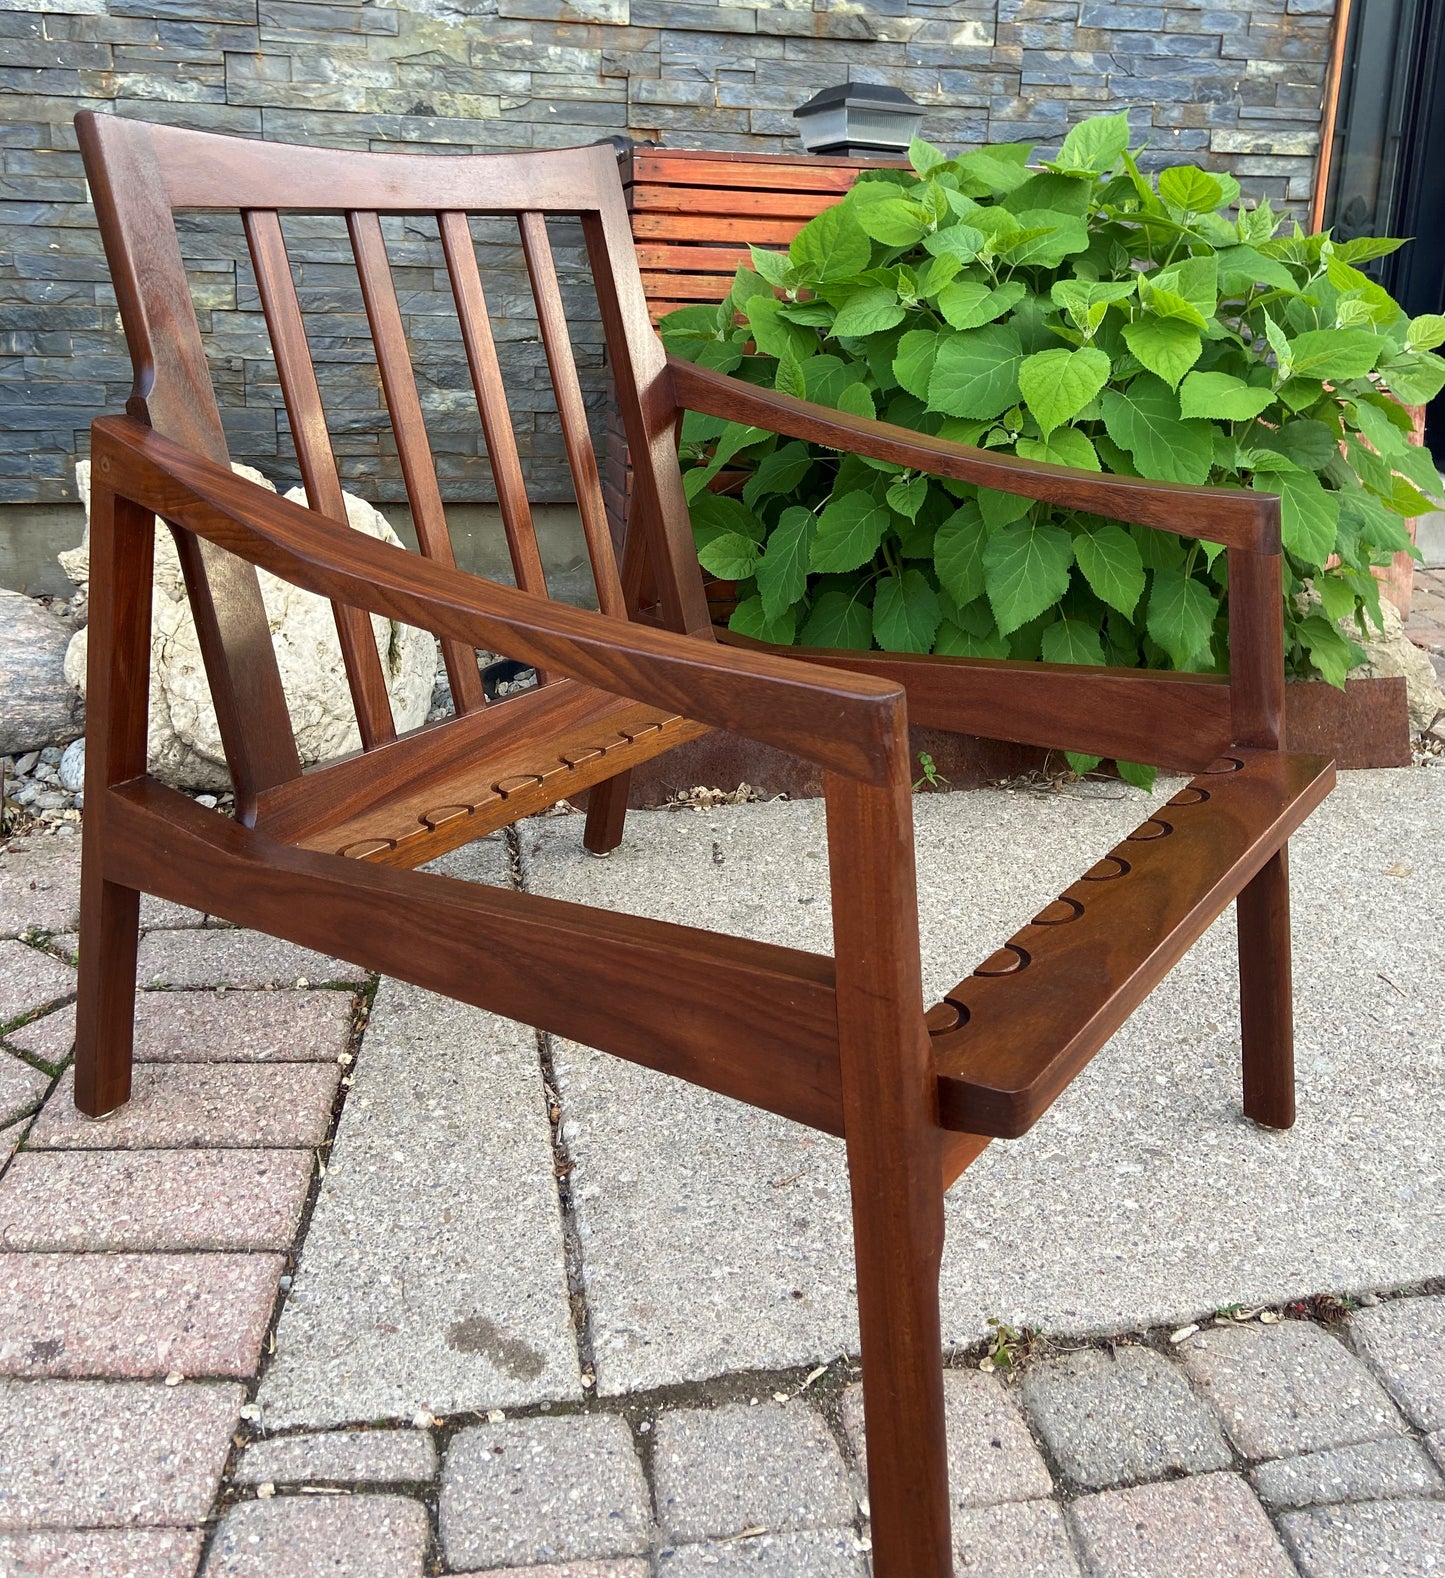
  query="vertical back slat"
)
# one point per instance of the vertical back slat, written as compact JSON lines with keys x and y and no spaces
{"x":173,"y":393}
{"x":398,"y":384}
{"x":299,"y":390}
{"x":649,"y":412}
{"x":492,"y":405}
{"x":576,"y":436}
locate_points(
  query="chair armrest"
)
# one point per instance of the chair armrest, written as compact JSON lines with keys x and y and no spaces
{"x":850,"y":724}
{"x":1233,"y":516}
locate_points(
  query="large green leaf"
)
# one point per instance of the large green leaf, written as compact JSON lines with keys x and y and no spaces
{"x":775,"y":336}
{"x":1065,"y":446}
{"x":913,"y":365}
{"x":849,"y":531}
{"x":976,"y":373}
{"x":1094,"y":146}
{"x":1189,"y":187}
{"x":968,"y":303}
{"x":1218,"y":397}
{"x":750,"y":618}
{"x":906,"y":613}
{"x":1335,"y":353}
{"x":1056,"y":237}
{"x":1309,"y":513}
{"x":958,"y":554}
{"x":840,"y":619}
{"x":1072,"y":641}
{"x":1145,"y":420}
{"x":1112,"y":565}
{"x":1026,"y":570}
{"x":782,"y":571}
{"x":830,"y":246}
{"x":894,"y":221}
{"x":869,"y":312}
{"x":1181,"y":616}
{"x":779,"y":472}
{"x":729,"y":555}
{"x":1414,"y":377}
{"x":1058,"y":384}
{"x":1330,"y":650}
{"x":1165,"y":346}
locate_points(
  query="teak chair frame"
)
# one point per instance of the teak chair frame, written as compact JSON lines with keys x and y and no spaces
{"x":840,"y":1042}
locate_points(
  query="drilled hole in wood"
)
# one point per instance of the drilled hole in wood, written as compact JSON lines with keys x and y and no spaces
{"x":443,"y":815}
{"x":1224,"y":764}
{"x":1108,"y":868}
{"x":1059,"y":913}
{"x":1189,"y":795}
{"x":1007,"y":961}
{"x":507,"y":787}
{"x":366,"y":846}
{"x":943,"y":1017}
{"x":1154,"y":828}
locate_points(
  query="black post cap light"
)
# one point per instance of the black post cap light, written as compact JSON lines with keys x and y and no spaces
{"x":859,"y":120}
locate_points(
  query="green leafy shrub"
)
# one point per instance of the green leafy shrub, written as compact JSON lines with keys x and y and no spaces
{"x":1078,"y":312}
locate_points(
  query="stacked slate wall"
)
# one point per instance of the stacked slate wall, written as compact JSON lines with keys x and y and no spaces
{"x":1233,"y":83}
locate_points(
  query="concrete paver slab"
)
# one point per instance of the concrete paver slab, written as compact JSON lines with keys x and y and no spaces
{"x":134,"y":1315}
{"x":210,"y":1026}
{"x":1017,"y":1539}
{"x":720,"y":1471}
{"x":1368,"y":1471}
{"x":228,"y":957}
{"x":1404,"y":1341}
{"x":102,"y":1553}
{"x":991,"y":1455}
{"x":347,"y":1457}
{"x":248,"y":1106}
{"x":51,"y":1038}
{"x":543,"y":1490}
{"x":1116,"y":1418}
{"x":39,"y":886}
{"x":112,"y":1454}
{"x":312,"y":1537}
{"x":1391,"y":1539}
{"x":29,"y":979}
{"x":1288,"y":1388}
{"x":21,"y":1088}
{"x":811,"y":1553}
{"x":1189,"y":1207}
{"x":432,"y":1275}
{"x":153,"y":1200}
{"x":1210,"y":1524}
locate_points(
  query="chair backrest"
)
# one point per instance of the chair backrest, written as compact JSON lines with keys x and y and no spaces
{"x":141,"y":175}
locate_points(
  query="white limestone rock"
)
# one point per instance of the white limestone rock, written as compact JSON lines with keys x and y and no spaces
{"x":1389,"y":652}
{"x":185,"y":742}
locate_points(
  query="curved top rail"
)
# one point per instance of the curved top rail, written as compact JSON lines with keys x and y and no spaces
{"x":209,"y":170}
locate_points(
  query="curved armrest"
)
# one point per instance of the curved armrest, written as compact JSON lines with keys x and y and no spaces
{"x":1233,"y":516}
{"x":850,"y":724}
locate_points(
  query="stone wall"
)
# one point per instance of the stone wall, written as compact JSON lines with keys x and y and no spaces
{"x":1233,"y":83}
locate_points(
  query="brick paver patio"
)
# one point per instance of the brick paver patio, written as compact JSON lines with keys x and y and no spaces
{"x":185,"y":1285}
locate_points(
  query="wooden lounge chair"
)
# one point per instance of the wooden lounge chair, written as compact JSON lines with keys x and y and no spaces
{"x":843,"y":1043}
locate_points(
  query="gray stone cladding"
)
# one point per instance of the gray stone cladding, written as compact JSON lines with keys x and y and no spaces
{"x":1236,"y":84}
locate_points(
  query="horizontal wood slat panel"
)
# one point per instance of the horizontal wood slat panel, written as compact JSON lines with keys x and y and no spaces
{"x":700,"y":258}
{"x":692,"y":288}
{"x":682,"y":227}
{"x":684,"y":167}
{"x":1035,"y":1012}
{"x":751,"y":1020}
{"x":702,"y":202}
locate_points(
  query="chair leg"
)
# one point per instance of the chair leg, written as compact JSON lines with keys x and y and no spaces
{"x":1266,"y":1000}
{"x":898,"y":1245}
{"x":105,"y":1003}
{"x":122,"y":542}
{"x":606,"y":814}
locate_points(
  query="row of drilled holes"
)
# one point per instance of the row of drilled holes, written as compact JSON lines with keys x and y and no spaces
{"x":503,"y":789}
{"x":1013,"y":959}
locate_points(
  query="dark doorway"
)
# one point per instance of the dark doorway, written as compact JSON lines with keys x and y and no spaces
{"x":1387,"y":177}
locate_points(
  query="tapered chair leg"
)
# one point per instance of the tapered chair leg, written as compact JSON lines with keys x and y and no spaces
{"x":122,"y":543}
{"x":1266,"y":998}
{"x":105,"y":1004}
{"x":606,"y":814}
